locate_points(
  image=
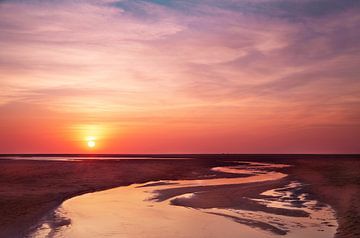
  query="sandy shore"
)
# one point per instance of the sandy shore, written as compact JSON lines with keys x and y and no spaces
{"x":337,"y":183}
{"x":29,"y":189}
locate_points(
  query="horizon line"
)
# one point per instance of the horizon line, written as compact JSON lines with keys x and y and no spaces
{"x":170,"y":154}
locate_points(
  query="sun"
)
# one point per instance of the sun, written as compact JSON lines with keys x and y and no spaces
{"x":91,"y":144}
{"x":91,"y":141}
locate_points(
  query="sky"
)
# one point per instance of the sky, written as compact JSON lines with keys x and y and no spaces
{"x":181,"y":76}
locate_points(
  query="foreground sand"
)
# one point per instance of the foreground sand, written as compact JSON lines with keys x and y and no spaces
{"x":337,"y":183}
{"x":29,"y":189}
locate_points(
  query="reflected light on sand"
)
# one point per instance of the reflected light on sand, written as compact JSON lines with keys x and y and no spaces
{"x":131,"y":211}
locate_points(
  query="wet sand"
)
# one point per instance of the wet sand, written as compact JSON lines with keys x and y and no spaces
{"x":137,"y":210}
{"x":30,"y":189}
{"x":337,"y":182}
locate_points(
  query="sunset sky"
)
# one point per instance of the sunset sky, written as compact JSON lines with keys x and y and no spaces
{"x":161,"y":76}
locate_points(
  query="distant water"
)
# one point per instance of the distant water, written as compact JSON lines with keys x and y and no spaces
{"x":75,"y":158}
{"x":132,"y":212}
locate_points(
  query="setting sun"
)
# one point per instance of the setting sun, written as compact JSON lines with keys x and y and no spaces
{"x":91,"y":144}
{"x":90,"y":136}
{"x":91,"y":141}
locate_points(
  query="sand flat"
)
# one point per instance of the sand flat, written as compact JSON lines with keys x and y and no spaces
{"x":136,"y":211}
{"x":31,"y":189}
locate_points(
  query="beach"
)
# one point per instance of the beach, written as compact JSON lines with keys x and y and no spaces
{"x":30,"y":189}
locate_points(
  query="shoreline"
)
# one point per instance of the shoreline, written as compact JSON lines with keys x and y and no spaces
{"x":32,"y":188}
{"x":168,"y":194}
{"x":101,"y":175}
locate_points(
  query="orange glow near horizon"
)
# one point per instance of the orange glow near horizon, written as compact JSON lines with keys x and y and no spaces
{"x":91,"y":134}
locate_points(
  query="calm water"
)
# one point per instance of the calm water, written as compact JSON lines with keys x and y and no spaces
{"x":59,"y":158}
{"x":132,"y":211}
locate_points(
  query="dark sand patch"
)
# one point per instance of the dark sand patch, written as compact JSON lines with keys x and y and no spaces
{"x":253,"y":223}
{"x":234,"y":196}
{"x":155,"y":184}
